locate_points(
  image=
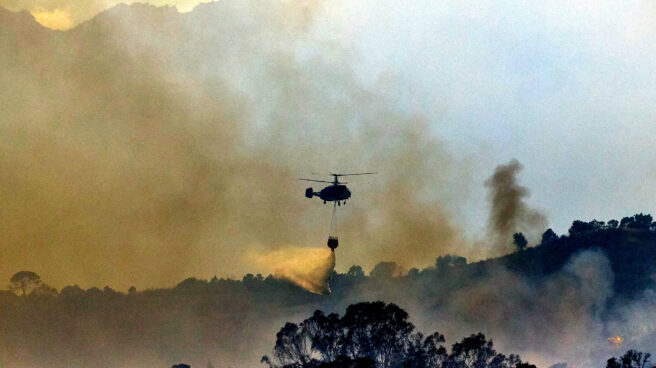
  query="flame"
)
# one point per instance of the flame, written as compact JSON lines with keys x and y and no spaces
{"x":309,"y":268}
{"x":616,"y":341}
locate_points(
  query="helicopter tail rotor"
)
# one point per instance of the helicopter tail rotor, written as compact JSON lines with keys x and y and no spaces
{"x":309,"y":193}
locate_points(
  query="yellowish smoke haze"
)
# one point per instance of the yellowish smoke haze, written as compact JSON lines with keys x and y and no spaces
{"x":57,"y":19}
{"x":67,"y":14}
{"x":151,"y":146}
{"x":309,"y":268}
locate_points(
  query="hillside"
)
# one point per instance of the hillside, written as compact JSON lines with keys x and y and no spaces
{"x":557,"y":288}
{"x":146,"y":145}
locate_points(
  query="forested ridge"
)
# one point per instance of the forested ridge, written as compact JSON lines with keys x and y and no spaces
{"x":208,"y":319}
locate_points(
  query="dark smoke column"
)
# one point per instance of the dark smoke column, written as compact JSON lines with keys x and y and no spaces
{"x":508,"y":212}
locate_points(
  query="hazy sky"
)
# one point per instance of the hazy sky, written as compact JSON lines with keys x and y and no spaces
{"x":566,"y":89}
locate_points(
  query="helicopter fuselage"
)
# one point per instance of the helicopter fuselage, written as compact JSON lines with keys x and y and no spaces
{"x":331,"y":193}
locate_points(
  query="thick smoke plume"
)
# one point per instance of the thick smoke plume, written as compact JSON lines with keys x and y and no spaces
{"x":508,"y":210}
{"x":169,"y":144}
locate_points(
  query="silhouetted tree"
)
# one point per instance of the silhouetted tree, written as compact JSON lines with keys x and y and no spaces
{"x":24,"y":282}
{"x":355,"y":272}
{"x":72,"y":292}
{"x":624,"y":223}
{"x":384,"y":270}
{"x":326,"y":334}
{"x":549,"y":236}
{"x":472,"y":352}
{"x":640,"y":222}
{"x":520,"y":241}
{"x":597,"y":225}
{"x":444,"y":263}
{"x":580,"y":227}
{"x":373,"y":331}
{"x":380,"y":333}
{"x":346,"y":362}
{"x":630,"y":359}
{"x":425,"y":353}
{"x":293,"y":346}
{"x":377,"y":330}
{"x":44,"y":289}
{"x":612,"y":224}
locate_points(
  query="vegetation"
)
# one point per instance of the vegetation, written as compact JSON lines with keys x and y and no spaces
{"x":376,"y":334}
{"x":24,"y":282}
{"x":631,"y":359}
{"x":224,"y":317}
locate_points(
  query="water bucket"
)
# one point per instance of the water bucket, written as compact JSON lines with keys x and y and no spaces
{"x":333,"y":242}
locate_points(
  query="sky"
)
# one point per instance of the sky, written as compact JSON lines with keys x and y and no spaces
{"x":566,"y":89}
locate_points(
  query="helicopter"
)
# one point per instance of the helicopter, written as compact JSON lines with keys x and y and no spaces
{"x":336,"y":192}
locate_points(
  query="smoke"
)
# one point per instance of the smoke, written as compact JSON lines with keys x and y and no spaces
{"x":309,"y":268}
{"x":66,"y":14}
{"x":556,"y":320}
{"x":169,"y":145}
{"x":508,"y":211}
{"x":634,"y":324}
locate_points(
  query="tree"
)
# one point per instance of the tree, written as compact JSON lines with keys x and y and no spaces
{"x":630,"y":359}
{"x":624,"y":223}
{"x":472,"y":352}
{"x":549,"y":236}
{"x":612,"y":224}
{"x":376,"y":334}
{"x":520,"y":241}
{"x":292,"y":347}
{"x":326,"y":334}
{"x":355,"y":272}
{"x":426,"y":353}
{"x":597,"y":225}
{"x":444,"y":263}
{"x":580,"y":227}
{"x":72,"y":292}
{"x":378,"y":331}
{"x":44,"y":290}
{"x":346,"y":362}
{"x":24,"y":282}
{"x":384,"y":270}
{"x":640,"y":222}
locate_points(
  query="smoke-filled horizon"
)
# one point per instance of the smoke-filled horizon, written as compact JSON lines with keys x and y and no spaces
{"x":168,"y":144}
{"x":144,"y":146}
{"x":149,"y":147}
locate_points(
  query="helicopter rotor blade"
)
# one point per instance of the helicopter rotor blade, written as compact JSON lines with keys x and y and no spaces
{"x":367,"y":173}
{"x":318,"y":181}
